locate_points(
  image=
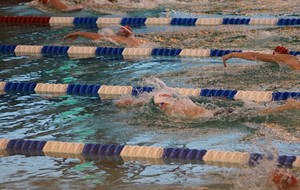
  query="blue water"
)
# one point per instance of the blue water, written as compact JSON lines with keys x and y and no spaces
{"x":93,"y":120}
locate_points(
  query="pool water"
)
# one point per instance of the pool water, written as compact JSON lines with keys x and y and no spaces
{"x":69,"y":118}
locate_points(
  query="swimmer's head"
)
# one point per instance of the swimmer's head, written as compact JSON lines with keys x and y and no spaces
{"x":284,"y":179}
{"x":281,"y":50}
{"x":163,"y":97}
{"x":126,"y":31}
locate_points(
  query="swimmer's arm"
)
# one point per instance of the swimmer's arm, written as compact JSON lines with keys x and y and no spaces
{"x":89,"y":35}
{"x":252,"y":56}
{"x":58,"y":4}
{"x":190,"y":111}
{"x":276,"y":110}
{"x":130,"y":102}
{"x":289,"y":60}
{"x":63,"y":7}
{"x":195,"y":112}
{"x":291,"y":104}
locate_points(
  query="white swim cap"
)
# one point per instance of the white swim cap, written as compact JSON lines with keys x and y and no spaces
{"x":163,"y":97}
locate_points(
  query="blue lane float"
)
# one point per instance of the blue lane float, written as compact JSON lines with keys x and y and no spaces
{"x":20,"y":87}
{"x":7,"y":49}
{"x":83,"y":90}
{"x":229,"y":94}
{"x":108,"y":51}
{"x":136,"y":90}
{"x":165,"y":52}
{"x":235,"y":21}
{"x":20,"y":146}
{"x":55,"y":50}
{"x":220,"y":52}
{"x":133,"y":21}
{"x":184,"y":21}
{"x":288,"y":21}
{"x":184,"y":154}
{"x":102,"y":149}
{"x":276,"y":96}
{"x":85,"y":21}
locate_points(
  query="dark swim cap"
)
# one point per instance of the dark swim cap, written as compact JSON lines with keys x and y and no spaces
{"x":281,"y":50}
{"x":127,"y":30}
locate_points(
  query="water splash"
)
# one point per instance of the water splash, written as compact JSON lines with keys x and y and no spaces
{"x":120,"y":7}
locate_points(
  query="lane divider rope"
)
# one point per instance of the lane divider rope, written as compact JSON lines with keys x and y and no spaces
{"x":109,"y":92}
{"x":129,"y":152}
{"x":99,"y":21}
{"x":88,"y":51}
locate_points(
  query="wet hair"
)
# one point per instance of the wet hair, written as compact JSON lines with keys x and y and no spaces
{"x":126,"y":30}
{"x":43,"y":1}
{"x":281,"y":50}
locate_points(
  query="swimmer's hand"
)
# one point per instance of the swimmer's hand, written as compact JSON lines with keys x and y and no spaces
{"x":293,"y":103}
{"x":225,"y":58}
{"x":88,"y":35}
{"x":72,"y":36}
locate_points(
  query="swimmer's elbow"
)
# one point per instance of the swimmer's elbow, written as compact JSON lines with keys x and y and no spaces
{"x":295,"y":67}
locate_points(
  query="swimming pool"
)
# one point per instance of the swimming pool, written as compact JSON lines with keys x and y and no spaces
{"x":70,"y":118}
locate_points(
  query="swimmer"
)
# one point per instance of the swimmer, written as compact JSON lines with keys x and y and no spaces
{"x":284,"y":179}
{"x":173,"y":105}
{"x":124,"y":35}
{"x":58,"y":5}
{"x":280,"y":56}
{"x":291,"y":104}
